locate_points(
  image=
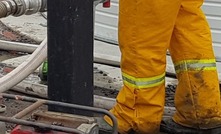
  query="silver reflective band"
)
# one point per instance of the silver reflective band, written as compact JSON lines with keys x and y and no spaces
{"x":140,"y":83}
{"x":195,"y":65}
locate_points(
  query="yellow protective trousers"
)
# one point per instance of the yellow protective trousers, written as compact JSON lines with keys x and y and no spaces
{"x":147,"y":29}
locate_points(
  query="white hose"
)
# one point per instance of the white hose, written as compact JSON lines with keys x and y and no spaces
{"x":26,"y":68}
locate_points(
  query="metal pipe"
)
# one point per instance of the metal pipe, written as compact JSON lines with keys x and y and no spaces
{"x":29,"y":109}
{"x":17,"y":46}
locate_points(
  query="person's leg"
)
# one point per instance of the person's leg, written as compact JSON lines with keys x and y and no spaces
{"x":197,"y":97}
{"x":145,"y":29}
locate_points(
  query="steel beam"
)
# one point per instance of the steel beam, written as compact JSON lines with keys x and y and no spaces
{"x":70,"y":52}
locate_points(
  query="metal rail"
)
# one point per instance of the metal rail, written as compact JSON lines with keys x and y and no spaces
{"x":55,"y":103}
{"x":40,"y":125}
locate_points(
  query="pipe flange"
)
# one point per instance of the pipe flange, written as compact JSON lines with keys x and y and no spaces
{"x":20,"y":8}
{"x":2,"y":108}
{"x":13,"y":6}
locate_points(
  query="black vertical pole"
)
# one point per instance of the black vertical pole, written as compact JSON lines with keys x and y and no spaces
{"x":70,"y":52}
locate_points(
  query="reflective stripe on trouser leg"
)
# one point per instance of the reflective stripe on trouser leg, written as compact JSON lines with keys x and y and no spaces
{"x":138,"y":106}
{"x":145,"y":29}
{"x":195,"y":65}
{"x":197,"y":98}
{"x":141,"y":83}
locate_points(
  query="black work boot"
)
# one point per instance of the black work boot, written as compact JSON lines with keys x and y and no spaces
{"x":168,"y":126}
